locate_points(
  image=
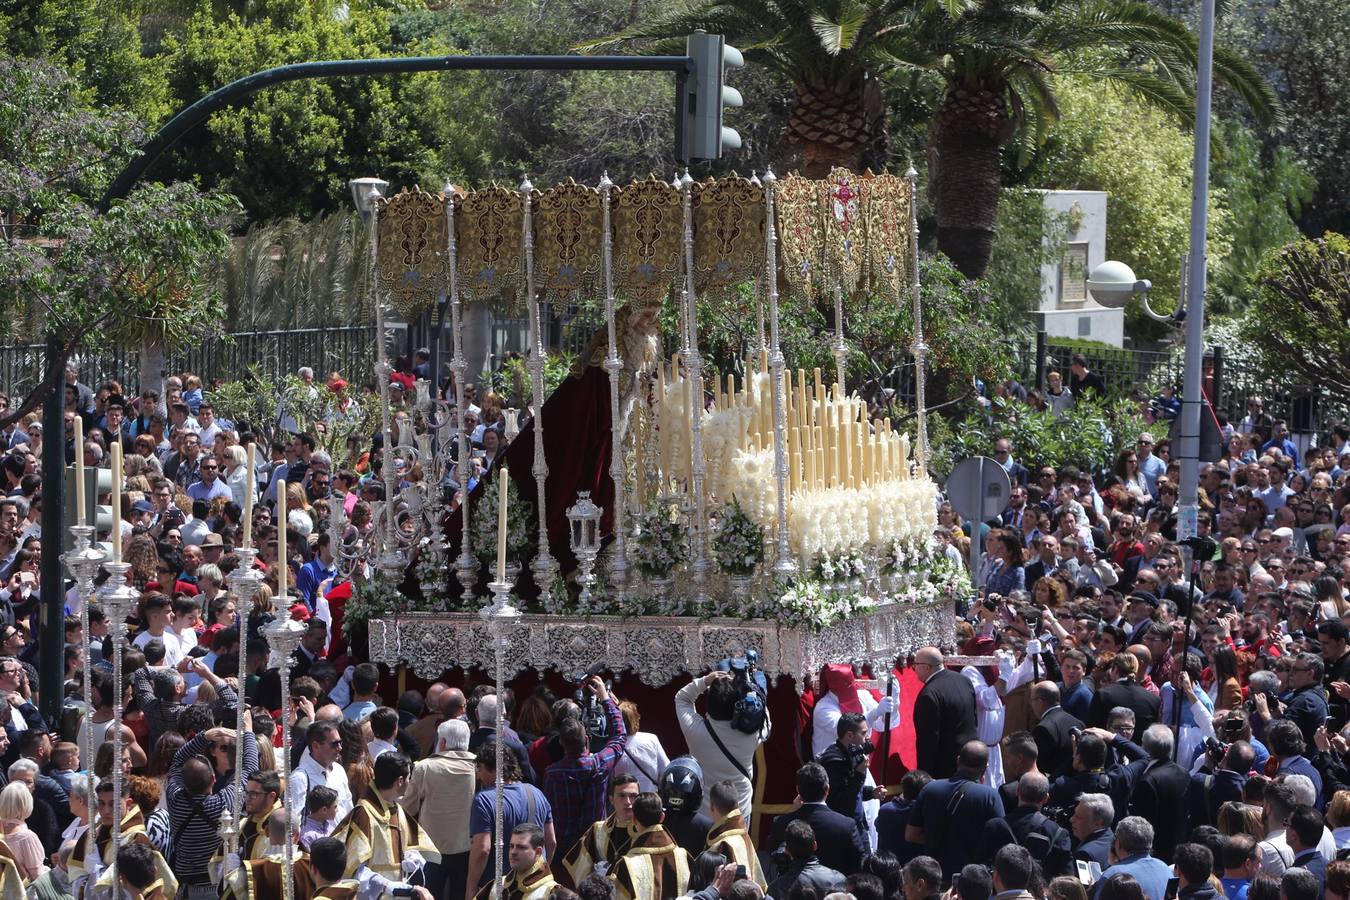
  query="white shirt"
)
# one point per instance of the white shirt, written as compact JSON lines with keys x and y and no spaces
{"x":377,"y":747}
{"x":1276,"y":855}
{"x":310,"y":773}
{"x":716,"y":766}
{"x":644,"y":758}
{"x":173,"y":650}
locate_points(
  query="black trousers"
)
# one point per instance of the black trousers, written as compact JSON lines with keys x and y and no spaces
{"x":445,"y":879}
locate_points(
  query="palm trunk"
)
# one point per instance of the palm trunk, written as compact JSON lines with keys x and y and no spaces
{"x":152,"y":368}
{"x":967,"y":137}
{"x":839,"y":124}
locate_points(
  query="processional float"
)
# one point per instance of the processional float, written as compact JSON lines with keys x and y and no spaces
{"x":671,"y":516}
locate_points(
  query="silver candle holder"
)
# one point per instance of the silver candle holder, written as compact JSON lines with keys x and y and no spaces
{"x":83,"y":560}
{"x":283,"y":636}
{"x":245,"y":584}
{"x":117,"y":599}
{"x":583,"y":517}
{"x":544,"y":566}
{"x":501,"y":618}
{"x":619,"y":566}
{"x":784,"y":565}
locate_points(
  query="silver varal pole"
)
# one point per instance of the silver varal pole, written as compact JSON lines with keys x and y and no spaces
{"x":693,"y":363}
{"x":918,"y":347}
{"x":840,"y":347}
{"x":382,"y":372}
{"x":499,"y":617}
{"x":467,"y":564}
{"x":618,"y":567}
{"x":544,"y":566}
{"x":783,"y":566}
{"x":245,"y":583}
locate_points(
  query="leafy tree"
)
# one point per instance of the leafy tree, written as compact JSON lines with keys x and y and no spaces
{"x":1299,"y":317}
{"x":138,"y":271}
{"x":995,"y":59}
{"x":290,"y":150}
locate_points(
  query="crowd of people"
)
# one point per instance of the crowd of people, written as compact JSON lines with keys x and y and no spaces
{"x":1117,"y":726}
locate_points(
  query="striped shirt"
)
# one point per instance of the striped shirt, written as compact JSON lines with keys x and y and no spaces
{"x":196,"y":819}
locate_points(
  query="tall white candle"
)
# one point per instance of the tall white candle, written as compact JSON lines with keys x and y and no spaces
{"x":503,"y":489}
{"x":116,"y":473}
{"x":249,"y":491}
{"x":79,"y":469}
{"x":282,"y":565}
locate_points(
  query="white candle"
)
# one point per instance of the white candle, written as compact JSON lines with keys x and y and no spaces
{"x":79,"y":469}
{"x":249,"y":491}
{"x":503,"y":489}
{"x":116,"y":473}
{"x":281,"y":540}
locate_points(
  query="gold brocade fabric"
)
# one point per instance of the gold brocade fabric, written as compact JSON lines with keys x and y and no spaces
{"x":490,"y":233}
{"x":412,"y":250}
{"x":845,"y":248}
{"x":648,"y":219}
{"x":801,"y":236}
{"x":728,"y":235}
{"x":568,"y":240}
{"x":885,"y":211}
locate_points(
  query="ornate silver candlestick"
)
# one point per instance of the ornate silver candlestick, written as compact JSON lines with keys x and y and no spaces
{"x":919,"y":348}
{"x":245,"y":583}
{"x":466,"y":564}
{"x":618,"y":566}
{"x":544,"y":566}
{"x":783,"y":565}
{"x":117,"y":599}
{"x":283,"y":636}
{"x":693,"y":363}
{"x":83,"y":561}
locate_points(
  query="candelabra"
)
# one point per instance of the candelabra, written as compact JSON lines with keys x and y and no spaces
{"x":500,"y":617}
{"x":618,"y":566}
{"x":117,"y":600}
{"x":840,"y":348}
{"x":466,"y":564}
{"x":83,"y":561}
{"x":584,"y":519}
{"x":229,"y":829}
{"x":283,"y":636}
{"x":245,"y":584}
{"x":544,"y":566}
{"x":784,"y":565}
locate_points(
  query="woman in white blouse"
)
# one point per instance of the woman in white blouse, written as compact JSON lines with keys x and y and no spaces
{"x":643,"y":756}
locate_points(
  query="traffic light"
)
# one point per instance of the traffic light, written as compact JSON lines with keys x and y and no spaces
{"x":705,"y":137}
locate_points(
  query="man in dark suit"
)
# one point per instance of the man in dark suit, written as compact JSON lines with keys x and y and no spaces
{"x":1016,"y":509}
{"x":1054,"y":728}
{"x":1047,"y":560}
{"x":1304,"y":831}
{"x":944,"y":714}
{"x":840,"y":846}
{"x":1125,"y":692}
{"x":1160,"y":790}
{"x":1091,"y":827}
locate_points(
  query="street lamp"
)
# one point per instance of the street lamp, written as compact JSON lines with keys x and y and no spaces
{"x":365,"y":192}
{"x":1112,"y":284}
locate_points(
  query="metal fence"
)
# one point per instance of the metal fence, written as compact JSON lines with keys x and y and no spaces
{"x":349,"y":350}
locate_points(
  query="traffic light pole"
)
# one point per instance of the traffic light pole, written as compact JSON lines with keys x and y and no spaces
{"x":197,"y":113}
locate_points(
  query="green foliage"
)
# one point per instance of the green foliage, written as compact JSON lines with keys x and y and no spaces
{"x":1107,"y":141}
{"x":1299,"y":318}
{"x":1029,"y":236}
{"x":1089,"y":435}
{"x":258,"y":398}
{"x":1264,"y":193}
{"x":140,"y":270}
{"x":290,"y":274}
{"x":513,"y":380}
{"x":290,"y":150}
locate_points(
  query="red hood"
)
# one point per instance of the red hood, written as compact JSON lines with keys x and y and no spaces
{"x":839,"y":680}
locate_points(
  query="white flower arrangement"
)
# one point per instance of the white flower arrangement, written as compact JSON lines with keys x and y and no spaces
{"x":522,"y":527}
{"x":738,"y":542}
{"x":661,"y":543}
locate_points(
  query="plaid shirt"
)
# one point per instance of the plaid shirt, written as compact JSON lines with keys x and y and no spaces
{"x":577,"y":786}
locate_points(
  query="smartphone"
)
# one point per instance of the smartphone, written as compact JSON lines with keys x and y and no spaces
{"x":27,"y":578}
{"x":740,"y":872}
{"x":1173,"y":885}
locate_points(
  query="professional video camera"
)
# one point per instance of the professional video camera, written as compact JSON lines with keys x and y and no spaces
{"x":752,"y":689}
{"x":593,"y":717}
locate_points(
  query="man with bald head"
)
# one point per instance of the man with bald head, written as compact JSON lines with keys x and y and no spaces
{"x":423,"y":731}
{"x":944,"y":714}
{"x":950,"y":815}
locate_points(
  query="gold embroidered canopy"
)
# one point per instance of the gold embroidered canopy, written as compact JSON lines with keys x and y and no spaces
{"x":847,"y":230}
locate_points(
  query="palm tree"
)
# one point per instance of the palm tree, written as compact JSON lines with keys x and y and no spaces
{"x":997,"y":60}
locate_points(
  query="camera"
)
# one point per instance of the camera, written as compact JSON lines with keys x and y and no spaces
{"x":752,"y":690}
{"x":593,"y":717}
{"x":1077,"y":733}
{"x":1215,"y":748}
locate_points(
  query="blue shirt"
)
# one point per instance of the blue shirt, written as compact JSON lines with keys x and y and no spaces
{"x":1285,"y":446}
{"x":1151,"y":873}
{"x":1235,"y":888}
{"x":1077,"y":701}
{"x":521,"y":803}
{"x":199,"y":491}
{"x":312,"y":574}
{"x":1151,"y":467}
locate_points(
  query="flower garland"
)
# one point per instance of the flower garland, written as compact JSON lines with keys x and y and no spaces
{"x":739,"y":541}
